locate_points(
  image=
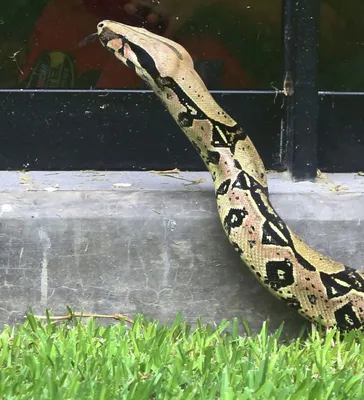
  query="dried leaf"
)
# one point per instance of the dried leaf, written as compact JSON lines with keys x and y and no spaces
{"x":195,"y":182}
{"x":337,"y":188}
{"x":166,"y":172}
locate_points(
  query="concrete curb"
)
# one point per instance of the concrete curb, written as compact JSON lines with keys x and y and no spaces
{"x":135,"y":242}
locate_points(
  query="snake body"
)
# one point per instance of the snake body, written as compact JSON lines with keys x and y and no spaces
{"x":322,"y":290}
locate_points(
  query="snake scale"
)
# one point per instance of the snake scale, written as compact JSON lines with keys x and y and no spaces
{"x":324,"y":291}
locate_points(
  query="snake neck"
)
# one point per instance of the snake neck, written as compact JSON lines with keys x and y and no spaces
{"x":222,"y":144}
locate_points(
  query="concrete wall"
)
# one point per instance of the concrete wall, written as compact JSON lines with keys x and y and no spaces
{"x":141,"y":242}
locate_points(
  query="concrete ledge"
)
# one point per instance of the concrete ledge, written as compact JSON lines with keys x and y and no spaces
{"x":141,"y":242}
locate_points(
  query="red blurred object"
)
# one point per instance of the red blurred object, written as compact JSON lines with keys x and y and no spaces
{"x":57,"y":60}
{"x":54,"y":47}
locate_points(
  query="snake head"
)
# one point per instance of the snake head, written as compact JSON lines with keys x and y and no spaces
{"x":151,"y":56}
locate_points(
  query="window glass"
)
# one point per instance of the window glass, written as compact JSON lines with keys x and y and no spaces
{"x":236,"y":44}
{"x":341,"y":65}
{"x":341,"y":45}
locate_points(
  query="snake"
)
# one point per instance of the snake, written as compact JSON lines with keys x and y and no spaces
{"x":325,"y":292}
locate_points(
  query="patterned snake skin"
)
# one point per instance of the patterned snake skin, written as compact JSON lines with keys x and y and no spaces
{"x":322,"y":290}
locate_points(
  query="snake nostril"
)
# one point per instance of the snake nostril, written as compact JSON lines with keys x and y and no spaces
{"x":100,"y":25}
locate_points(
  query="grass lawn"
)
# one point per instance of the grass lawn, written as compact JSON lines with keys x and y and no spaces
{"x":146,"y":360}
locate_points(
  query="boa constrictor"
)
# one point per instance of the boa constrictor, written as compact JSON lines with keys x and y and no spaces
{"x":322,"y":290}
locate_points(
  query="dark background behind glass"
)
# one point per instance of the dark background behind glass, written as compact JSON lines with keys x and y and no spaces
{"x":237,"y":46}
{"x":341,"y":46}
{"x":232,"y":42}
{"x":341,"y":70}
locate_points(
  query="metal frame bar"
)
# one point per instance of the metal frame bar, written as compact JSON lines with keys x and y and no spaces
{"x":300,"y":87}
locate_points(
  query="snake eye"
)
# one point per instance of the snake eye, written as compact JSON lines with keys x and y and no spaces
{"x":100,"y":25}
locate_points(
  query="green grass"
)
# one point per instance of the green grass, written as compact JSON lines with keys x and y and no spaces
{"x":75,"y":360}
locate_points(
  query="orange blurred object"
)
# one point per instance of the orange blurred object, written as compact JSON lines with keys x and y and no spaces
{"x":57,"y":60}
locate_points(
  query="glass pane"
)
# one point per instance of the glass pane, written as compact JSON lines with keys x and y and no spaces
{"x":341,"y":45}
{"x":231,"y":41}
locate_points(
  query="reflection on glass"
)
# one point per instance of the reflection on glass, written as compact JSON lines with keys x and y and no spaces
{"x":341,"y":45}
{"x":236,"y":44}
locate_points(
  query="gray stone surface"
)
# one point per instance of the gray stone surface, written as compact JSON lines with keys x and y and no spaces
{"x":140,"y":242}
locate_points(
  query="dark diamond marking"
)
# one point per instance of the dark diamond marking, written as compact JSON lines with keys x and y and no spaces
{"x":185,"y":119}
{"x":333,"y":288}
{"x":234,"y":219}
{"x":223,"y":188}
{"x":352,"y":278}
{"x":279,"y":274}
{"x":213,"y":157}
{"x":346,"y":318}
{"x":270,"y":236}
